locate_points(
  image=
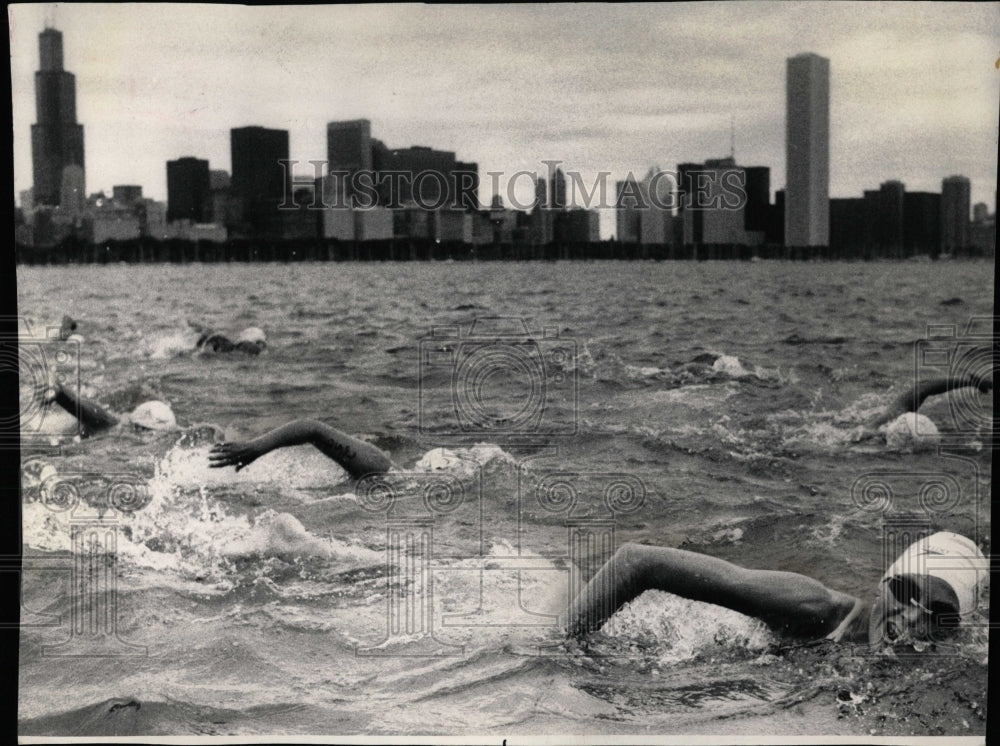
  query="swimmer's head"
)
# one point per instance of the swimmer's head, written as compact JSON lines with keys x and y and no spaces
{"x":936,"y":582}
{"x":913,"y":608}
{"x":67,"y":328}
{"x":153,"y":415}
{"x":253,"y":335}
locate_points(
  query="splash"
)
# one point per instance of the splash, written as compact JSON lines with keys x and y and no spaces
{"x":283,"y":535}
{"x":169,"y":344}
{"x":731,"y":366}
{"x":182,"y":529}
{"x":295,"y":469}
{"x":634,"y":373}
{"x":465,"y":462}
{"x":672,"y":629}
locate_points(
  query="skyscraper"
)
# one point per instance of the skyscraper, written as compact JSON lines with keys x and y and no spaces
{"x":807,"y":151}
{"x":56,"y":139}
{"x":889,"y":222}
{"x":758,"y":189}
{"x":956,"y":194}
{"x":558,"y":199}
{"x":260,"y":182}
{"x":188,"y":192}
{"x":349,"y":148}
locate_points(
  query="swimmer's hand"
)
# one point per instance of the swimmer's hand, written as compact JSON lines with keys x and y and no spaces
{"x":239,"y":454}
{"x":838,"y":634}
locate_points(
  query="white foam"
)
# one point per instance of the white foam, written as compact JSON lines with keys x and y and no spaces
{"x":301,"y":467}
{"x":678,"y":628}
{"x":642,"y":373}
{"x":154,"y":415}
{"x":730,"y":365}
{"x":169,"y":344}
{"x":183,"y":530}
{"x":465,"y":462}
{"x":282,"y":534}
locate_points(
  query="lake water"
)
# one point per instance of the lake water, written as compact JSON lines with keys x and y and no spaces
{"x":433,"y":610}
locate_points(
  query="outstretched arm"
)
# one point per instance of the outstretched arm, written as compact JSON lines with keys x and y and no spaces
{"x":911,"y":400}
{"x":355,"y":456}
{"x":790,"y":603}
{"x":92,"y":416}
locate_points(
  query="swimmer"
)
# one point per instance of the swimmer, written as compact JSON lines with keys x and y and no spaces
{"x":250,"y":341}
{"x":908,"y":605}
{"x":93,"y":418}
{"x":67,"y":330}
{"x":911,"y":400}
{"x":356,"y":457}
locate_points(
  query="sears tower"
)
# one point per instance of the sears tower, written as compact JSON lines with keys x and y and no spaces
{"x":57,"y":139}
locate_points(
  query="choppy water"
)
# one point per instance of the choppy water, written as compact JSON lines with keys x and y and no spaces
{"x":263,"y":602}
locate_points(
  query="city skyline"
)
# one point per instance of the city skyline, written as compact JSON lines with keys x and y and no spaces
{"x":148,"y":99}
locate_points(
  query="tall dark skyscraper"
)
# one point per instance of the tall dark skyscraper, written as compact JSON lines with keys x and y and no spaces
{"x":558,"y":198}
{"x":807,"y":151}
{"x":56,"y":139}
{"x":349,"y":148}
{"x":259,"y":182}
{"x":955,"y":198}
{"x":889,"y":226}
{"x":188,"y":190}
{"x":758,"y":189}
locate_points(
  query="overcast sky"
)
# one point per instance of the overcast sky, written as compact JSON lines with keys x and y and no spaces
{"x":915,"y":92}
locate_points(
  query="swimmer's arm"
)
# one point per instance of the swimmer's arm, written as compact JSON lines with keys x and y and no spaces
{"x":355,"y":456}
{"x":783,"y":600}
{"x":93,"y":417}
{"x":911,"y":400}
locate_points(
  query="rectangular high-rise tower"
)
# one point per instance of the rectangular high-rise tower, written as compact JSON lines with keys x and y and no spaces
{"x":188,"y":191}
{"x":349,"y":148}
{"x":260,"y":181}
{"x":56,"y":139}
{"x":807,"y":151}
{"x":956,"y":194}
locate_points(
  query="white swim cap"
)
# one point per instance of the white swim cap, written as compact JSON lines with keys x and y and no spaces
{"x":154,"y":415}
{"x":952,"y":558}
{"x":911,"y":429}
{"x":730,"y":365}
{"x":253,"y":334}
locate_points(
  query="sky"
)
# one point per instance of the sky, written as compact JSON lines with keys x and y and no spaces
{"x":914,"y":89}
